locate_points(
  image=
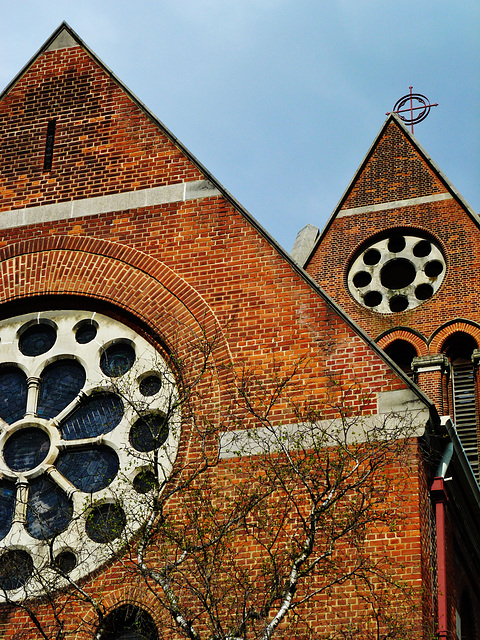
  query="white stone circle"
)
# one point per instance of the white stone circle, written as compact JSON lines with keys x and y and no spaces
{"x":396,"y":273}
{"x":75,"y":537}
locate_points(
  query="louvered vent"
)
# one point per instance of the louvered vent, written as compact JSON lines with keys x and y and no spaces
{"x":465,"y":413}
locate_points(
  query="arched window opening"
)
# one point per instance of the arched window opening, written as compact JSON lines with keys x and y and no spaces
{"x":459,"y":349}
{"x":128,"y":622}
{"x":402,"y":353}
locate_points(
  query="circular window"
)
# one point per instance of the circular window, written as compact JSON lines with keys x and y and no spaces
{"x":396,"y":273}
{"x":74,"y":459}
{"x":66,"y":561}
{"x":16,"y":569}
{"x":105,"y":523}
{"x":85,"y":332}
{"x":117,"y":360}
{"x":37,"y":339}
{"x":150,"y":385}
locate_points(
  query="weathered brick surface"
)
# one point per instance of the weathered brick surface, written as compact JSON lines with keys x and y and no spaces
{"x":103,"y":142}
{"x":393,"y":172}
{"x":176,"y":271}
{"x":396,"y":170}
{"x":455,"y":231}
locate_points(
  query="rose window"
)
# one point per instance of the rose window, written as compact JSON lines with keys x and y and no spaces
{"x":396,"y":273}
{"x":88,"y":424}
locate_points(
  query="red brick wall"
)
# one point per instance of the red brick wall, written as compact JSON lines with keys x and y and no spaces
{"x":395,"y":171}
{"x":103,"y":142}
{"x":173,"y":270}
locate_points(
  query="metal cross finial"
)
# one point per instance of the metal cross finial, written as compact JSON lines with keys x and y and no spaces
{"x":423,"y":106}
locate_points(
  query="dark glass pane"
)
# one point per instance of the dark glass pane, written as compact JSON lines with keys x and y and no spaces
{"x":7,"y":507}
{"x":60,"y":383}
{"x":117,"y":359}
{"x":26,"y":449}
{"x":96,"y":415}
{"x":13,"y":394}
{"x":66,"y":561}
{"x":145,"y":481}
{"x":105,"y":523}
{"x":433,"y":268}
{"x":149,"y":433}
{"x":89,"y":470}
{"x":372,"y":256}
{"x":150,"y":385}
{"x":49,"y":510}
{"x":16,"y":568}
{"x":37,"y":339}
{"x":85,"y":333}
{"x":422,"y":249}
{"x":361,"y":279}
{"x":372,"y":298}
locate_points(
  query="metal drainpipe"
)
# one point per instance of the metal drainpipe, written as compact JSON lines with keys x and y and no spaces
{"x":440,"y":499}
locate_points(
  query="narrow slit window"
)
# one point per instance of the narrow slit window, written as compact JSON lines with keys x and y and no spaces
{"x":47,"y":162}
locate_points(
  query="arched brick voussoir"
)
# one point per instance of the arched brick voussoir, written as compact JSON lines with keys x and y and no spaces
{"x":126,"y":277}
{"x":406,"y":335}
{"x":438,"y":338}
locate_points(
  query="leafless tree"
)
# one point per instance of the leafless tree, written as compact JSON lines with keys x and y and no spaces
{"x":262,"y":529}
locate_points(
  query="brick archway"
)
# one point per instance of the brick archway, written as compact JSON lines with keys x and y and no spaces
{"x":438,"y":338}
{"x":408,"y":336}
{"x":108,"y":272}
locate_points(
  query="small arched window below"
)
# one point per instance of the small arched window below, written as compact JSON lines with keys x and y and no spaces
{"x":402,"y":353}
{"x":128,"y":622}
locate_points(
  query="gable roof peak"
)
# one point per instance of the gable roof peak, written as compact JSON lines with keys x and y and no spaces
{"x":62,"y":38}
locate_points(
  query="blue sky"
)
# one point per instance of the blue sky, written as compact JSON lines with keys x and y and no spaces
{"x":281,"y":99}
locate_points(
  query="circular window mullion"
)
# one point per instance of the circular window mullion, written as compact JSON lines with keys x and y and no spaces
{"x":61,"y":481}
{"x":33,"y":386}
{"x":69,"y":409}
{"x":81,"y":442}
{"x":23,"y":490}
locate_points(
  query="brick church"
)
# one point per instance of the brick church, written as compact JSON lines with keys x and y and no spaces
{"x":202,"y":436}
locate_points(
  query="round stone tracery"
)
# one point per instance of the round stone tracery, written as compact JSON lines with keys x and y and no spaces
{"x":396,"y":273}
{"x":85,"y":418}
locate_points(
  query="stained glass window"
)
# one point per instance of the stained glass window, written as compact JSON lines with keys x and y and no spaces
{"x":128,"y":622}
{"x":145,"y":481}
{"x":150,"y":385}
{"x":26,"y":449}
{"x":66,"y":561}
{"x":49,"y":510}
{"x":117,"y":359}
{"x":97,"y":415}
{"x":70,"y":471}
{"x":7,"y":506}
{"x":85,"y":333}
{"x":149,"y":433}
{"x":16,"y":568}
{"x":37,"y":339}
{"x":13,"y":394}
{"x":89,"y":470}
{"x":60,"y":384}
{"x":105,"y":523}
